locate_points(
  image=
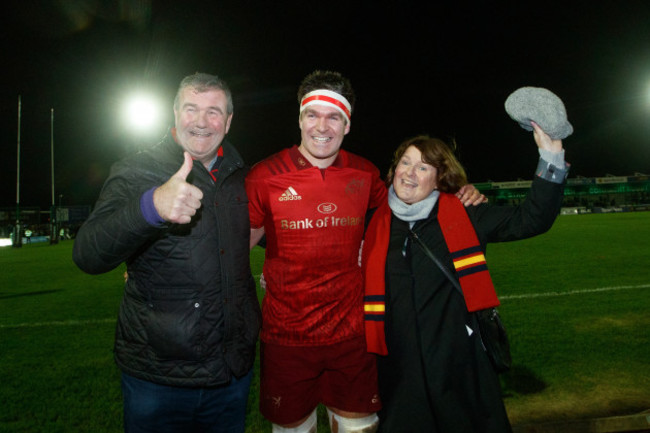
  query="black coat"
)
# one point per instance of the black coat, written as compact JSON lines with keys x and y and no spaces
{"x":190,"y":314}
{"x":436,"y":377}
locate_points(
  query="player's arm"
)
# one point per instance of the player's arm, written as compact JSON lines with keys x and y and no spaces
{"x":255,"y":189}
{"x":256,"y":236}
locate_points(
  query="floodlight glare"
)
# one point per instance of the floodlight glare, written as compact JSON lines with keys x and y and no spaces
{"x":142,"y":112}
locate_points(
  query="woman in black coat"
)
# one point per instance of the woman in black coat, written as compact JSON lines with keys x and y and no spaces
{"x":434,"y":373}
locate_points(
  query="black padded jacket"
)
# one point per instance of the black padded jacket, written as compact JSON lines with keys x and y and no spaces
{"x":190,"y":315}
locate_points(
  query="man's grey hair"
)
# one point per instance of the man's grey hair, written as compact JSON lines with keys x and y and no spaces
{"x":202,"y":83}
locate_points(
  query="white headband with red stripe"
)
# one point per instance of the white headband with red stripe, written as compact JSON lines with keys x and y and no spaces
{"x":329,"y":98}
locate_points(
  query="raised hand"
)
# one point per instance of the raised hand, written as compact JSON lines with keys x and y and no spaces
{"x":544,"y":141}
{"x":176,"y":200}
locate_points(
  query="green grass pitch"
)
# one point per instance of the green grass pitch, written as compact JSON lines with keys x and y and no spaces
{"x":575,"y":302}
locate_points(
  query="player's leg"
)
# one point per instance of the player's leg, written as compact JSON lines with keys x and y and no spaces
{"x":350,"y":389}
{"x":307,"y":425}
{"x":289,"y":389}
{"x":352,"y":422}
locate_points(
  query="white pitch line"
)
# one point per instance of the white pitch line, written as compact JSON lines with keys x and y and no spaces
{"x":572,"y":292}
{"x":506,"y":297}
{"x":60,"y":323}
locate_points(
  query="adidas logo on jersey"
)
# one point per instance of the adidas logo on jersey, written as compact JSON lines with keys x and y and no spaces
{"x":290,"y":194}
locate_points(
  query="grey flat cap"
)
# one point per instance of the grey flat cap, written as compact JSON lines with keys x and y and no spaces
{"x":542,"y":107}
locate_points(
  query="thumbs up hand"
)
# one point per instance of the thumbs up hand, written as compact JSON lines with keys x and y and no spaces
{"x":176,"y":200}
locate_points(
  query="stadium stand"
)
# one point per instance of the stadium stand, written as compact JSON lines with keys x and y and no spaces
{"x":582,"y":194}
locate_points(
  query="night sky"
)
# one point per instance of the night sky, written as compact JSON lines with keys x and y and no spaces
{"x":442,"y":68}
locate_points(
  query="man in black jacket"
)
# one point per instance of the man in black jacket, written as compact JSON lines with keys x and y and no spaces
{"x":177,"y":214}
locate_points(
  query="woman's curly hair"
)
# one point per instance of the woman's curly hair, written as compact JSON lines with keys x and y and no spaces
{"x":451,"y":175}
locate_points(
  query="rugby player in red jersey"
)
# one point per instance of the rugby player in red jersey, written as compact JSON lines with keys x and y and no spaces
{"x":311,"y":201}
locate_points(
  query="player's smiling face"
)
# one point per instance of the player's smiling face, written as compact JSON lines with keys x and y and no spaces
{"x":322,"y":131}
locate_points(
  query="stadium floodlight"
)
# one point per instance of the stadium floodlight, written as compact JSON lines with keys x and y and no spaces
{"x":142,"y":112}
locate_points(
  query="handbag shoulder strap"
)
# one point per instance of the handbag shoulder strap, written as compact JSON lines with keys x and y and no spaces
{"x":471,"y":274}
{"x":414,"y":236}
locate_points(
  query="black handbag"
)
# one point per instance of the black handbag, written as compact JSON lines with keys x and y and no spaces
{"x":495,"y":339}
{"x":491,"y":330}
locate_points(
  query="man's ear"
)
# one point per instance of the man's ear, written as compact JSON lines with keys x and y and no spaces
{"x":228,"y":122}
{"x":347,"y":128}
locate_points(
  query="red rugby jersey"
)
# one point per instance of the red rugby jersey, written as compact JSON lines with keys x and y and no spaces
{"x":313,"y":220}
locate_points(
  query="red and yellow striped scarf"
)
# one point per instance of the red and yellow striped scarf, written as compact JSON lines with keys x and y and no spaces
{"x":463,"y":244}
